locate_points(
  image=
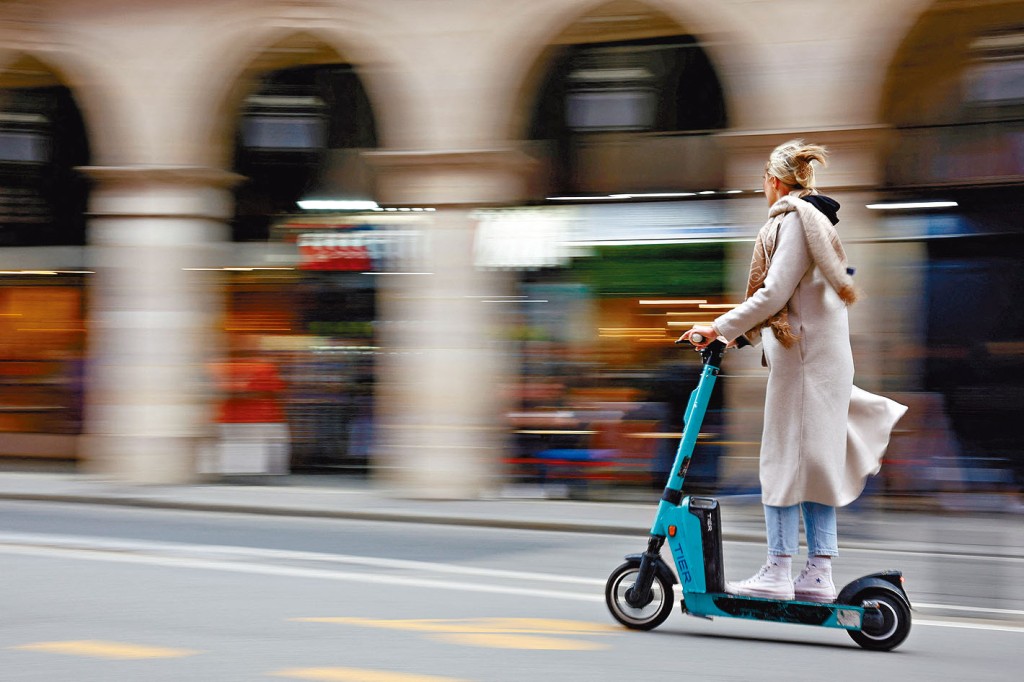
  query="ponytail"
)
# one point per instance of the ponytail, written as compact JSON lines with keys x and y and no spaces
{"x":790,"y":162}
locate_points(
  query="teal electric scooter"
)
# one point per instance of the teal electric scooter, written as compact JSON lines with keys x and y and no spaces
{"x":874,"y":609}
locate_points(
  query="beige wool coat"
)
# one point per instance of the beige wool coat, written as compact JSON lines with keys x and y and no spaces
{"x":822,"y":436}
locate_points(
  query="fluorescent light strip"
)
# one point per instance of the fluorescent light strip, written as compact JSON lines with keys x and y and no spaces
{"x":47,"y":272}
{"x":912,"y":204}
{"x":233,"y":269}
{"x":28,"y":272}
{"x":604,"y":197}
{"x":336,"y":205}
{"x":656,"y":242}
{"x":642,"y":195}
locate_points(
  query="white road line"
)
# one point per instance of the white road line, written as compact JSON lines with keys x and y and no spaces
{"x":289,"y":571}
{"x":972,"y":609}
{"x":116,"y":550}
{"x":124,"y":545}
{"x":970,"y":626}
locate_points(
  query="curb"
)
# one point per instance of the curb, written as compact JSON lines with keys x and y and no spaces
{"x":403,"y":516}
{"x":499,"y":522}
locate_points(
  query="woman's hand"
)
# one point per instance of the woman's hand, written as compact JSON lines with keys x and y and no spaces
{"x":707,"y":332}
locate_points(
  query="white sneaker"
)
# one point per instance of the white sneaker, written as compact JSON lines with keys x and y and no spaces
{"x":815,"y":584}
{"x":772,"y":581}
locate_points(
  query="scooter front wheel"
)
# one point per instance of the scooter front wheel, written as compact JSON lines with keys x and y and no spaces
{"x":646,"y":617}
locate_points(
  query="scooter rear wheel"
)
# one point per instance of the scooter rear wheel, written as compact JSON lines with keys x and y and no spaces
{"x":894,"y":626}
{"x":646,"y":617}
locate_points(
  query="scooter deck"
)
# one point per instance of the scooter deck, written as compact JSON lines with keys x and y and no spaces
{"x":721,"y":604}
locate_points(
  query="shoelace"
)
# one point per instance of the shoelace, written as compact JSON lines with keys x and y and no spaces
{"x":804,"y":573}
{"x":760,"y":574}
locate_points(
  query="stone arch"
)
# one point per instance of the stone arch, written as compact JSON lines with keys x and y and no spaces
{"x":941,"y":93}
{"x":46,"y":114}
{"x":80,"y":71}
{"x":253,"y":52}
{"x":612,"y":27}
{"x":531,"y":48}
{"x":30,"y":41}
{"x":334,"y":104}
{"x":931,"y":58}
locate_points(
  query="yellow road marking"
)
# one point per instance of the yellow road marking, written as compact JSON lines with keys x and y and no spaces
{"x":539,"y":626}
{"x":356,"y":675}
{"x":498,"y":641}
{"x":501,"y":633}
{"x":98,"y":649}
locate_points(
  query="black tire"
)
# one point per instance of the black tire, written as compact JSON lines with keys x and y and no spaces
{"x":647,"y":617}
{"x":895,"y":621}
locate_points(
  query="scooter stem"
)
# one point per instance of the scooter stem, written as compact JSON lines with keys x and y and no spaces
{"x":711,"y":357}
{"x":639,"y":595}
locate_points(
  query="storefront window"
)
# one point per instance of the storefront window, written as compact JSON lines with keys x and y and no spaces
{"x":41,"y":363}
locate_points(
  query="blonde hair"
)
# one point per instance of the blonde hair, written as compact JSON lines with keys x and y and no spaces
{"x":790,"y":162}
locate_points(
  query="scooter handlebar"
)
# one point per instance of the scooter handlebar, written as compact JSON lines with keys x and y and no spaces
{"x":695,"y":339}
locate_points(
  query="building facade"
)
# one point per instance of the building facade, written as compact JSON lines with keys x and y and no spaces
{"x":452,"y":118}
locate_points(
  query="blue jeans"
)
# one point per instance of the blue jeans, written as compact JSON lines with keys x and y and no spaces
{"x":783,"y":524}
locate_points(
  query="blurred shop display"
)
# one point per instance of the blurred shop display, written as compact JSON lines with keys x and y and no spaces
{"x":252,"y":431}
{"x":601,"y":388}
{"x":330,"y":408}
{"x":317,"y":327}
{"x":42,"y":334}
{"x":356,"y":243}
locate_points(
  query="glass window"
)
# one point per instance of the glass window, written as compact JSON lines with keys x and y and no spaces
{"x":283,"y":132}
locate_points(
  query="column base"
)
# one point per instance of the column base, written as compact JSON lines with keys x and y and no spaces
{"x":142,"y":460}
{"x":439,"y":471}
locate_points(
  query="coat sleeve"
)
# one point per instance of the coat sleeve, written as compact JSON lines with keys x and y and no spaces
{"x":789,"y":264}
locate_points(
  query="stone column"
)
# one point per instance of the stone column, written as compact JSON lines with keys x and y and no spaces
{"x":152,"y":318}
{"x":439,"y":400}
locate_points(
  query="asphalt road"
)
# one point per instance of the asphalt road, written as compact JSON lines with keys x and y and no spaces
{"x":94,"y":593}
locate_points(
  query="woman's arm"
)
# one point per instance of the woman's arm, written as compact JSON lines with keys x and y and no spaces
{"x":790,"y":263}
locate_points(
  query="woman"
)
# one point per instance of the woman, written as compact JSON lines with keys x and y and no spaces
{"x":822,"y":436}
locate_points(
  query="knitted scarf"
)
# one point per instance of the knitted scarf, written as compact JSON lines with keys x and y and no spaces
{"x":826,"y":251}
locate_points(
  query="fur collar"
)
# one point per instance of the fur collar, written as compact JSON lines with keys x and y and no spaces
{"x":824,"y":246}
{"x":822,"y":241}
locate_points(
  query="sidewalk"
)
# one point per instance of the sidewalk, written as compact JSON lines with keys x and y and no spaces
{"x":862,"y":525}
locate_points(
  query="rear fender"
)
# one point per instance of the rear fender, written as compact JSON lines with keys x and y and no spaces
{"x":888,"y":581}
